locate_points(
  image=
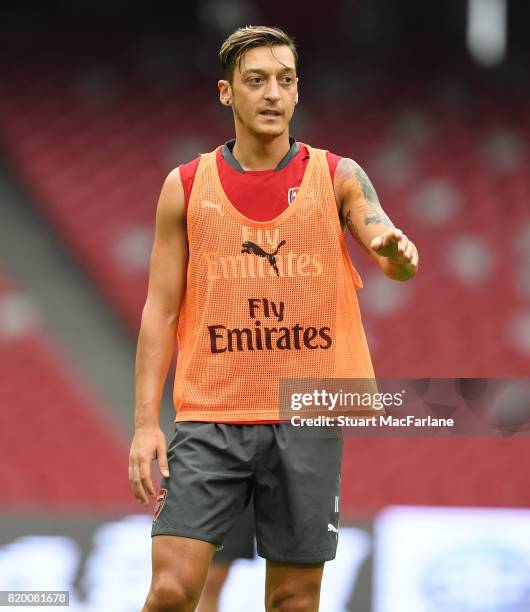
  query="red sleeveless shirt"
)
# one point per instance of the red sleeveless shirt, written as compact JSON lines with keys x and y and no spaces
{"x":258,"y":194}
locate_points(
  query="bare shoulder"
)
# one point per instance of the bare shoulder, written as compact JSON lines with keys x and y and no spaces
{"x":351,"y":179}
{"x":173,"y":184}
{"x":171,"y":205}
{"x":169,"y":255}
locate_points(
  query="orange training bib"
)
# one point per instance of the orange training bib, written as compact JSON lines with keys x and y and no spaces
{"x":264,"y":300}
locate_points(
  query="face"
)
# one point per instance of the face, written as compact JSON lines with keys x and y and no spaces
{"x":263,"y":92}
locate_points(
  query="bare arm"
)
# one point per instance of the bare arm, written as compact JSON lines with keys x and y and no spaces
{"x":370,"y":226}
{"x":156,"y":342}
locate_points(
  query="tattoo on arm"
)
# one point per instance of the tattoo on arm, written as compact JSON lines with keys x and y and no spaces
{"x":375,"y":219}
{"x":372,"y":201}
{"x":355,"y":233}
{"x":360,"y":204}
{"x":369,"y":192}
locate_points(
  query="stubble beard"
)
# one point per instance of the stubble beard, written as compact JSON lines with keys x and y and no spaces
{"x":256,"y":129}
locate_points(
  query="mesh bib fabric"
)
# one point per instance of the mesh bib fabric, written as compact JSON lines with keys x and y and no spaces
{"x":264,"y":300}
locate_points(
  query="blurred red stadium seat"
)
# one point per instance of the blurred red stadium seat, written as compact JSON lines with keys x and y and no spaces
{"x":59,"y":450}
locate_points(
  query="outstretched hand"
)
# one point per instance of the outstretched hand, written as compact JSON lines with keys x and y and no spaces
{"x":395,"y":245}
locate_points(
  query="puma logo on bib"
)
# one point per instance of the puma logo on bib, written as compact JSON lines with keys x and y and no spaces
{"x":254,"y":249}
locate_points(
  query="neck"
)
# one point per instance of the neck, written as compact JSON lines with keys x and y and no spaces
{"x":255,"y":154}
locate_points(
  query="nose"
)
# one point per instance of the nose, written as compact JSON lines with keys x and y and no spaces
{"x":272,"y":93}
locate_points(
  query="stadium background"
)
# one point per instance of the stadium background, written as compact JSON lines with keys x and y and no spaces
{"x":98,"y":101}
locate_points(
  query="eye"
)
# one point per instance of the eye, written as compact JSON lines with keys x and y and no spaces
{"x":288,"y":80}
{"x":255,"y":80}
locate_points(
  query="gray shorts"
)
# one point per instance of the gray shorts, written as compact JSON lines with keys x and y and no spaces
{"x":292,"y":474}
{"x":239,"y":543}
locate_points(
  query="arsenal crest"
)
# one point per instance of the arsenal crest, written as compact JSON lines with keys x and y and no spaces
{"x":160,"y":501}
{"x":291,"y":194}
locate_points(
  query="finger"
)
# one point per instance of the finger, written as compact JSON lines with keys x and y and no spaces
{"x":402,"y":245}
{"x":139,"y":492}
{"x":137,"y":487}
{"x":145,"y":478}
{"x":414,"y":261}
{"x":385,"y":239}
{"x":131,"y":475}
{"x":395,"y":234}
{"x":376,"y":243}
{"x":409,"y":252}
{"x":161,"y":457}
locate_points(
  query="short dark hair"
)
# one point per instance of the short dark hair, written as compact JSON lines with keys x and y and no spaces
{"x":248,"y":37}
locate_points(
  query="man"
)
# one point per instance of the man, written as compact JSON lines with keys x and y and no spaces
{"x":250,"y":271}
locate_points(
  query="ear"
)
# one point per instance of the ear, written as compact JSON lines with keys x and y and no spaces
{"x":225,"y":92}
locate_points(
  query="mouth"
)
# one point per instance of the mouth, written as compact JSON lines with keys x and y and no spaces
{"x":270,"y":113}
